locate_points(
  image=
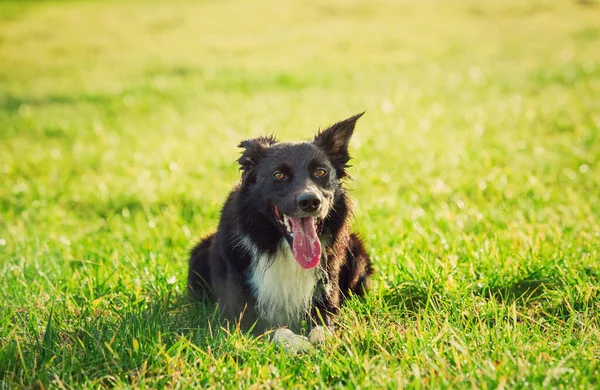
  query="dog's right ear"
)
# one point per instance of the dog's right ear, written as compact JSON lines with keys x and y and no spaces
{"x":254,"y":150}
{"x":334,"y":141}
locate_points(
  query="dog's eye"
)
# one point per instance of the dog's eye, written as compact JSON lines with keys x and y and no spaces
{"x":279,"y":175}
{"x":320,"y":172}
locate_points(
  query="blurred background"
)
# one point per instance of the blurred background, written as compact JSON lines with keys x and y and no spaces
{"x":119,"y":120}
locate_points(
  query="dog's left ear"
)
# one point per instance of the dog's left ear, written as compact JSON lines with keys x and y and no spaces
{"x":254,"y":150}
{"x":334,"y":141}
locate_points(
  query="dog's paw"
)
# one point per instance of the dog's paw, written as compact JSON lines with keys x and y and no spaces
{"x":318,"y":334}
{"x":290,"y":341}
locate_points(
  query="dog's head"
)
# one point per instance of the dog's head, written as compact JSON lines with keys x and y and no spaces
{"x":294,"y":184}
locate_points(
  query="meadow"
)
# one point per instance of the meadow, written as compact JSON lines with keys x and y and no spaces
{"x":476,"y":181}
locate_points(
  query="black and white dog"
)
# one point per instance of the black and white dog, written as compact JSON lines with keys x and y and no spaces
{"x":283,"y":251}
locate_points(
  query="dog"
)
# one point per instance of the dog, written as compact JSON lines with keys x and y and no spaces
{"x":283,"y":253}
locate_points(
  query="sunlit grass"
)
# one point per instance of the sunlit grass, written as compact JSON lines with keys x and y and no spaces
{"x":475,"y":178}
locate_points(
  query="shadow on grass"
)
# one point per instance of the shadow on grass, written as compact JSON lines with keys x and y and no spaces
{"x":521,"y":290}
{"x":564,"y":308}
{"x":547,"y":294}
{"x":413,"y":296}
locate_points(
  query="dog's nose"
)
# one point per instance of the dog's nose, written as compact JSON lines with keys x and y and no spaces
{"x":309,"y":202}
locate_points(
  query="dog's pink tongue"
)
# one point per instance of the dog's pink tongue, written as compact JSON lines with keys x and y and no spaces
{"x":307,"y":247}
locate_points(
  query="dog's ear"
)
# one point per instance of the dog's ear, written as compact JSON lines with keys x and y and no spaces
{"x":334,"y":141}
{"x":254,"y":150}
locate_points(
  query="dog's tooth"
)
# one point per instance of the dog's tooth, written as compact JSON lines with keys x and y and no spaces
{"x":287,"y":223}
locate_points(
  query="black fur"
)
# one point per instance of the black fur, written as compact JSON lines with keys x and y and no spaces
{"x":220,"y":264}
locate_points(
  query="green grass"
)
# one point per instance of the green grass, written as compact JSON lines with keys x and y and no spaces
{"x":476,"y":183}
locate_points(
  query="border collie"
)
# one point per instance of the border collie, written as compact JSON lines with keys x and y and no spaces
{"x":283,"y":252}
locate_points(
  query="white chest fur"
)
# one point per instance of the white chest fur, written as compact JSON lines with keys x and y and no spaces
{"x":282,"y":288}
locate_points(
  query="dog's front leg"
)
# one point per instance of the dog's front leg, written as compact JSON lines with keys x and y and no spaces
{"x":322,"y":325}
{"x":319,"y":334}
{"x":290,"y":341}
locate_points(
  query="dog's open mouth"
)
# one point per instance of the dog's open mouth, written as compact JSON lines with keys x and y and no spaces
{"x":303,"y":236}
